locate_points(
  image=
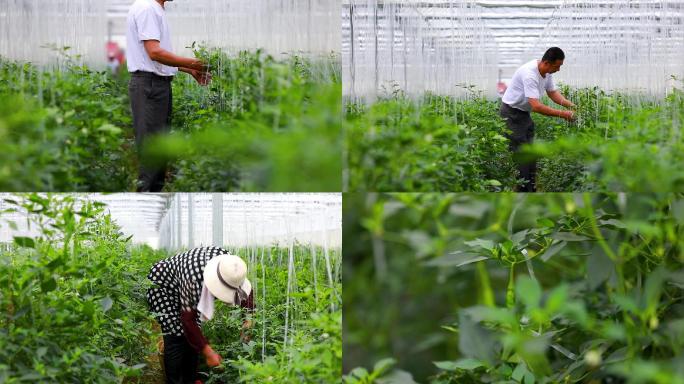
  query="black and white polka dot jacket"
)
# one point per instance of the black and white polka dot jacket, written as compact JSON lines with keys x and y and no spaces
{"x":178,"y":286}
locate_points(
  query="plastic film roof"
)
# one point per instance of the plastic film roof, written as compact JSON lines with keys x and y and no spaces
{"x":278,"y":26}
{"x":175,"y":221}
{"x":434,"y":45}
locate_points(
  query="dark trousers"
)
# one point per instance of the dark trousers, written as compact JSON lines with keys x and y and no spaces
{"x":522,"y":132}
{"x":151,"y":108}
{"x":180,"y":360}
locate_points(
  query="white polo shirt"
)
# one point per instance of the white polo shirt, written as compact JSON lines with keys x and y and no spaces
{"x":147,"y":21}
{"x":527,"y":82}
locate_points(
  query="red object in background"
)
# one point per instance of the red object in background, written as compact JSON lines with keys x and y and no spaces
{"x":501,"y":88}
{"x":115,"y":52}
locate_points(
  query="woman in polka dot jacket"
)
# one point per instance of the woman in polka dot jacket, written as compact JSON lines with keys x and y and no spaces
{"x":183,"y":297}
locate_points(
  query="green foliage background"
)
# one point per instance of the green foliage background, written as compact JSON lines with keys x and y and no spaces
{"x":439,"y":143}
{"x":513,"y":288}
{"x":263,"y":124}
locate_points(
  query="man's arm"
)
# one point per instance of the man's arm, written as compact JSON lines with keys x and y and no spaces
{"x":538,"y":107}
{"x":559,"y":99}
{"x":160,"y":55}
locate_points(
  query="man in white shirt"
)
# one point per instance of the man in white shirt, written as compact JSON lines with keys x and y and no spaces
{"x":522,"y":97}
{"x":152,"y":66}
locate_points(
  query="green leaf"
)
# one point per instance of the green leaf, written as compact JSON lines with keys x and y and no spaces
{"x":475,"y":341}
{"x":359,"y":372}
{"x":31,"y":377}
{"x":557,"y":298}
{"x":455,"y":259}
{"x":397,"y":377}
{"x":88,"y":309}
{"x":25,"y":242}
{"x":56,"y":262}
{"x":653,"y":289}
{"x":676,"y":278}
{"x":552,"y":250}
{"x":49,"y":284}
{"x":472,"y":209}
{"x":519,"y":372}
{"x":544,"y":222}
{"x":576,"y":311}
{"x":528,"y":291}
{"x":464,"y":364}
{"x":109,"y":128}
{"x":626,"y":303}
{"x":497,"y":315}
{"x":569,"y":236}
{"x":613,"y":223}
{"x":383,"y":366}
{"x":482,"y":243}
{"x":519,"y":236}
{"x":599,"y":267}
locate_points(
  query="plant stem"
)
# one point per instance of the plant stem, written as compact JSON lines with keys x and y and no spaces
{"x":510,"y":292}
{"x":485,"y":285}
{"x":602,"y":242}
{"x":594,"y":226}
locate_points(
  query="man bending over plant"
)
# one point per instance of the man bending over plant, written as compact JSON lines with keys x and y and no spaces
{"x":183,"y":297}
{"x":152,"y":67}
{"x":522,"y":97}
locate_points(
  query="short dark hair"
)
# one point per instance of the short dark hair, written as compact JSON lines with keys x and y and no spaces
{"x":552,"y":54}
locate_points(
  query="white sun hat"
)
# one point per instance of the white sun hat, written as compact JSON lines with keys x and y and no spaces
{"x":226,"y":278}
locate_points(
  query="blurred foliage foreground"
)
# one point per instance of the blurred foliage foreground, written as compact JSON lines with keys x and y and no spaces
{"x":262,"y":124}
{"x":506,"y":288}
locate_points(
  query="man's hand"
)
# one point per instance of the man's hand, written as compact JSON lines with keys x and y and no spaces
{"x":568,"y":115}
{"x":203,"y":78}
{"x":213,"y":358}
{"x":199,"y":65}
{"x":160,"y":55}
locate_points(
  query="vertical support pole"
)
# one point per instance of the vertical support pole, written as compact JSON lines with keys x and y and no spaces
{"x":217,"y":219}
{"x":179,"y":222}
{"x":191,"y":223}
{"x":352,"y":65}
{"x":375,"y":32}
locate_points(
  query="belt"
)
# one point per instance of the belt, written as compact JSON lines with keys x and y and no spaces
{"x":513,"y":108}
{"x":152,"y":75}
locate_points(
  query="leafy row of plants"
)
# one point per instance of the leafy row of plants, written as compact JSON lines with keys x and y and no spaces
{"x":74,"y":309}
{"x":72,"y":298}
{"x":67,"y":129}
{"x":297,"y":336}
{"x":549,"y":288}
{"x":439,"y":143}
{"x":262,"y":124}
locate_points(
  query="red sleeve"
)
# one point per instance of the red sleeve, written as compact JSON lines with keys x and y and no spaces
{"x":193,"y":333}
{"x":249,"y":303}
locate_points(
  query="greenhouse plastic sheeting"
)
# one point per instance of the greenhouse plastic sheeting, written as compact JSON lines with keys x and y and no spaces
{"x":175,"y":221}
{"x":278,"y":26}
{"x":446,"y":46}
